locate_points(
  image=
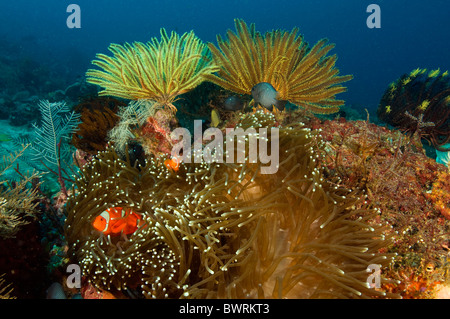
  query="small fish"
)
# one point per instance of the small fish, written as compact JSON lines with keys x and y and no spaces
{"x":117,"y":220}
{"x":265,"y":95}
{"x":173,"y":163}
{"x":233,"y":103}
{"x":215,"y":118}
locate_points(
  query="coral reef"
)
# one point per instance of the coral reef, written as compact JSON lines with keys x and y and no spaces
{"x":418,"y":103}
{"x":92,"y":132}
{"x":440,"y":193}
{"x":345,"y":195}
{"x":413,"y":285}
{"x":302,"y":75}
{"x":226,"y":230}
{"x":410,"y":190}
{"x":131,"y":118}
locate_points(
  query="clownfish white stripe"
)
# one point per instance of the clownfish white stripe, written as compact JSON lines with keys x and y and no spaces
{"x":106,"y":216}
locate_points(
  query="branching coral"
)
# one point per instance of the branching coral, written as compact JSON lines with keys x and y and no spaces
{"x":304,"y":76}
{"x":159,"y":70}
{"x":226,"y":230}
{"x":419,"y":102}
{"x":18,"y":200}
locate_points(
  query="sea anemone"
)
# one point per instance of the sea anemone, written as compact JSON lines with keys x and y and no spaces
{"x":265,"y":95}
{"x":225,"y":230}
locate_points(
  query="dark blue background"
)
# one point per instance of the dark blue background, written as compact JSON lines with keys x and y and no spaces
{"x":414,"y":33}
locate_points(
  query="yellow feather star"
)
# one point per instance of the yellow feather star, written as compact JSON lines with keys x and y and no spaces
{"x":156,"y":70}
{"x":302,"y":75}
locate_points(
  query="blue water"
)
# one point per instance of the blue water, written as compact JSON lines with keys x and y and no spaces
{"x":413,"y":33}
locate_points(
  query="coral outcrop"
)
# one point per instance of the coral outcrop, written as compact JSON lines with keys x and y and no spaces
{"x":410,"y":190}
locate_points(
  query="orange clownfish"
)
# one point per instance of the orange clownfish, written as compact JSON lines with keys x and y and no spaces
{"x":173,"y":163}
{"x":117,"y":220}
